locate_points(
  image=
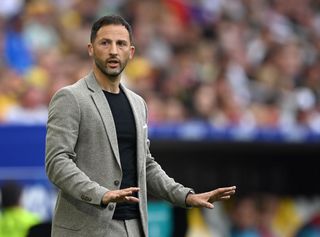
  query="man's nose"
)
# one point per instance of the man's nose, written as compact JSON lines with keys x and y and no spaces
{"x":113,"y":49}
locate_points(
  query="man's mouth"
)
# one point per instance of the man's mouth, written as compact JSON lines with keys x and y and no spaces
{"x":113,"y":63}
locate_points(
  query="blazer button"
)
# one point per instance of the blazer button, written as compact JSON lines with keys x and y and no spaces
{"x":86,"y":198}
{"x":116,"y":182}
{"x":110,"y":207}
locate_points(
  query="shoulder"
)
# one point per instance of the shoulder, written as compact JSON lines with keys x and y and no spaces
{"x":68,"y":97}
{"x":73,"y":90}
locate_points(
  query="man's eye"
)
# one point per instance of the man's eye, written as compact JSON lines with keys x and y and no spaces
{"x":122,"y":44}
{"x":104,"y":43}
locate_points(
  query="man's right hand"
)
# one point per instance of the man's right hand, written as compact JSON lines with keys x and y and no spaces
{"x":121,"y":195}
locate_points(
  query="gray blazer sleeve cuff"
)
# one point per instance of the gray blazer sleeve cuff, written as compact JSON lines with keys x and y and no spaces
{"x":183,"y":196}
{"x":96,"y":198}
{"x":190,"y":192}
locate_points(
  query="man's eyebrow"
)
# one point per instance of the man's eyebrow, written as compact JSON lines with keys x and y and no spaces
{"x":122,"y":41}
{"x":107,"y":39}
{"x":117,"y":40}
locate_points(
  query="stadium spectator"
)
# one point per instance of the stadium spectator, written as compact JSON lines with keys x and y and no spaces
{"x":15,"y":221}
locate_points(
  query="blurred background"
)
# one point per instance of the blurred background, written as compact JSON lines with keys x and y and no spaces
{"x":233,"y":92}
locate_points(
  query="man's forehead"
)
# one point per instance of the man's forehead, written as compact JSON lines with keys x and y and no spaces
{"x":113,"y":31}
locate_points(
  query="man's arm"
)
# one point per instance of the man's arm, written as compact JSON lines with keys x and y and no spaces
{"x":161,"y":185}
{"x":62,"y":134}
{"x":165,"y":187}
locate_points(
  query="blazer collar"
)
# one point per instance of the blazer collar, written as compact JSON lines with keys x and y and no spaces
{"x":92,"y":83}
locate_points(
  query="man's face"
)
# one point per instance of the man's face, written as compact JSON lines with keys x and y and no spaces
{"x":111,"y":50}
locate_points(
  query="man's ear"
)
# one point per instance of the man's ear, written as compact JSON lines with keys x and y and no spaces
{"x":90,"y":49}
{"x":132,"y":50}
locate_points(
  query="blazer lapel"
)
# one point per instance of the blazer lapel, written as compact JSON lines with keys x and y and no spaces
{"x":105,"y":113}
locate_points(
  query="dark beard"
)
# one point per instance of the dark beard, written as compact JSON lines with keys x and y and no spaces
{"x":112,"y":76}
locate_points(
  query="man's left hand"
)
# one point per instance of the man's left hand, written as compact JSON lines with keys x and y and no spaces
{"x":206,"y":199}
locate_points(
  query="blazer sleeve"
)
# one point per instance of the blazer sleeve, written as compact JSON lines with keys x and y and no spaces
{"x":62,"y":133}
{"x":159,"y":184}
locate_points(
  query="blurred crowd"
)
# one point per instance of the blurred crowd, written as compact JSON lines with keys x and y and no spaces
{"x":264,"y":215}
{"x":245,"y":63}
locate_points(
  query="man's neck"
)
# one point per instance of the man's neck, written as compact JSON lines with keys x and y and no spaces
{"x":111,"y":85}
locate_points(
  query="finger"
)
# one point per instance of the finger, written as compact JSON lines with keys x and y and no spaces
{"x":225,"y":197}
{"x":131,"y":199}
{"x":229,"y":193}
{"x":129,"y":191}
{"x":207,"y":205}
{"x":132,"y":189}
{"x":124,"y":193}
{"x":232,"y":189}
{"x":226,"y":189}
{"x":221,"y":196}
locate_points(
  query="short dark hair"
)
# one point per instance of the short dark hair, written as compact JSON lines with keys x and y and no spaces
{"x":109,"y":20}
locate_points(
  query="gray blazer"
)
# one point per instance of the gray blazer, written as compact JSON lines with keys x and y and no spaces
{"x":82,"y":160}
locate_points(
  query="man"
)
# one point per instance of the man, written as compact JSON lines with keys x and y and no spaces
{"x":97,"y":150}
